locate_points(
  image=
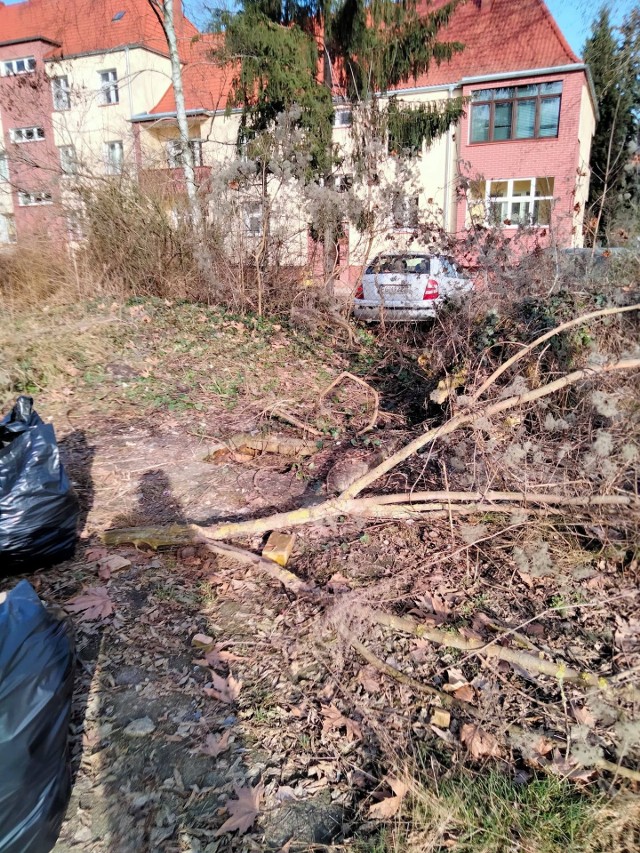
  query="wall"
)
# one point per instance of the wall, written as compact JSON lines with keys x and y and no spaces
{"x":26,"y":101}
{"x":559,"y":158}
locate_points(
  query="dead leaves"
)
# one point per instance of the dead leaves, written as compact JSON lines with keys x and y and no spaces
{"x":93,"y":604}
{"x":480,"y":744}
{"x":243,"y":811}
{"x":215,"y":745}
{"x":334,"y":719}
{"x":217,"y":656}
{"x":225,"y":690}
{"x":390,"y":806}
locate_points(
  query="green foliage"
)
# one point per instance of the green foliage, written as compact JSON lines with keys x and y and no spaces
{"x":409,"y":127}
{"x":383,"y":43}
{"x":614,"y":63}
{"x":372,"y":45}
{"x":278,"y":71}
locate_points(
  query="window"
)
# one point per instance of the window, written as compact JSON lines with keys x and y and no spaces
{"x":7,"y":228}
{"x":18,"y":66}
{"x":342,"y":117}
{"x":118,"y":16}
{"x":61,"y":93}
{"x":28,"y":199}
{"x":114,"y":155}
{"x":252,"y":215}
{"x":68,"y":161}
{"x":518,"y":201}
{"x":109,"y":87}
{"x":516,"y":112}
{"x":26,"y":134}
{"x":4,"y":166}
{"x":405,"y":211}
{"x":174,"y":153}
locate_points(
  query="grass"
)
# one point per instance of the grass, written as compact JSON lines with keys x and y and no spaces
{"x":489,"y":812}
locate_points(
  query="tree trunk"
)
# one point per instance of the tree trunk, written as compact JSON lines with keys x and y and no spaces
{"x":195,"y":211}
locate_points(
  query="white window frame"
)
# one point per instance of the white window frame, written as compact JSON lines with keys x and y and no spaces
{"x":10,"y":66}
{"x":9,"y":229}
{"x":109,"y":91}
{"x":61,"y":92}
{"x":510,"y":199}
{"x":252,"y":216}
{"x":114,"y":165}
{"x":22,"y":135}
{"x":68,"y":159}
{"x":31,"y":199}
{"x":174,"y":153}
{"x":4,"y":167}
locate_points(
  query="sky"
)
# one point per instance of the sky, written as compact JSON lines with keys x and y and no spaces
{"x":573,"y":16}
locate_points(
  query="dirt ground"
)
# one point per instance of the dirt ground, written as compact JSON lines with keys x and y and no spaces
{"x":207,"y":683}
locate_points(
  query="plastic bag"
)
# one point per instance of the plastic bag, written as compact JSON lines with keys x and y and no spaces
{"x":36,"y":682}
{"x":38,"y":508}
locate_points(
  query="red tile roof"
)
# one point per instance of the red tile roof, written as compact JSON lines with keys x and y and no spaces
{"x":206,"y":84}
{"x":86,"y":26}
{"x":499,"y":36}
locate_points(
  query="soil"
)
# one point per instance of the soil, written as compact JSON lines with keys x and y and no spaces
{"x":208,"y":678}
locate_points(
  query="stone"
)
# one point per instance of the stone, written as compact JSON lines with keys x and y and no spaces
{"x":440,"y":718}
{"x":140,"y":728}
{"x":279,"y":547}
{"x":304,"y":822}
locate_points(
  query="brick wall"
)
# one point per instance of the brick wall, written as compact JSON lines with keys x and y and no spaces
{"x":26,"y":100}
{"x":558,"y":158}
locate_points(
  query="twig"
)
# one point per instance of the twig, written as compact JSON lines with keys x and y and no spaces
{"x":454,"y":640}
{"x":444,"y":698}
{"x":451,"y":701}
{"x":287,"y":417}
{"x":376,"y":397}
{"x":550,"y":334}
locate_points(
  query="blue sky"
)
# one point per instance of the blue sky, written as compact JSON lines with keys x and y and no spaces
{"x":573,"y":16}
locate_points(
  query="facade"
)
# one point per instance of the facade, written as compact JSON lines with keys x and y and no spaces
{"x":85,"y":89}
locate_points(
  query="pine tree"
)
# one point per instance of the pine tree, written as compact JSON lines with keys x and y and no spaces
{"x":614,"y":68}
{"x":290,"y":52}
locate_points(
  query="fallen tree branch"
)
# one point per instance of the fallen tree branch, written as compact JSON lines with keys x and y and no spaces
{"x":452,"y":639}
{"x":451,"y":701}
{"x":593,"y":315}
{"x":191,"y":534}
{"x":444,"y":698}
{"x":344,"y":503}
{"x":466,"y":418}
{"x":435,"y":504}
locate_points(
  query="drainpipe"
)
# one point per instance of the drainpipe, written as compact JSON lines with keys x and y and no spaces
{"x":447,"y":171}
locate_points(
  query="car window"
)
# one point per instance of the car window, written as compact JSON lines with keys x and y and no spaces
{"x":449,"y":268}
{"x":411,"y":264}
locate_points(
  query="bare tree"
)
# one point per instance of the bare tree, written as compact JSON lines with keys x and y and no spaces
{"x":164,"y":11}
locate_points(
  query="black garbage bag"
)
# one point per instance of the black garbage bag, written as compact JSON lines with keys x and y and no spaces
{"x":38,"y":507}
{"x":36,"y":682}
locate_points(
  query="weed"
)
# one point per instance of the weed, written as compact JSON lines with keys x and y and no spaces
{"x":491,"y":813}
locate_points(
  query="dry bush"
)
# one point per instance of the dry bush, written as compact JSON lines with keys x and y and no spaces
{"x":132,"y":247}
{"x":32,"y":273}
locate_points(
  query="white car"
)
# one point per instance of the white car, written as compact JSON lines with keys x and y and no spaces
{"x":407,"y":286}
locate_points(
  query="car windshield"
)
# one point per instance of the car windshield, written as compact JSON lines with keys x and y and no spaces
{"x":411,"y":264}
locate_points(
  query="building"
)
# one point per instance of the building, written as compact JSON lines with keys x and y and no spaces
{"x":85,"y":88}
